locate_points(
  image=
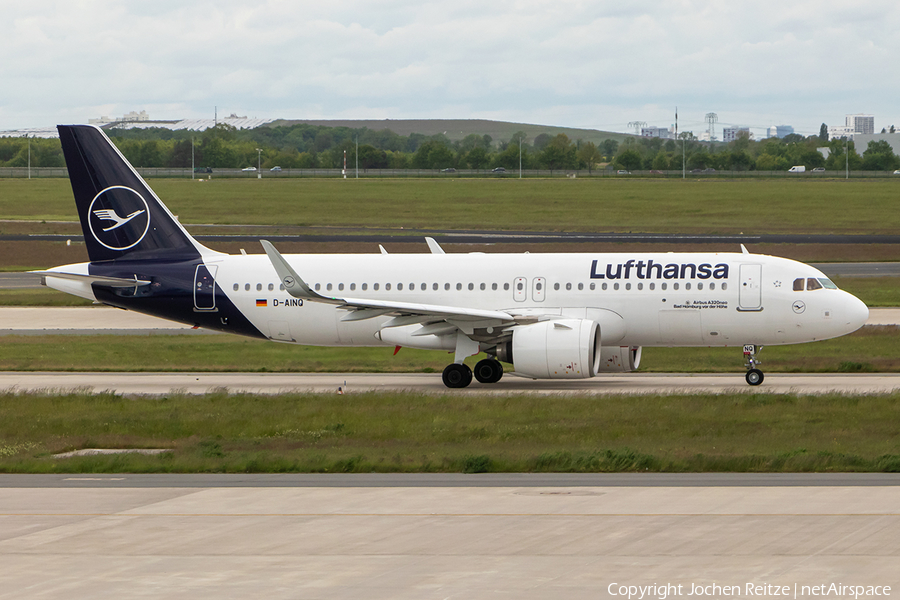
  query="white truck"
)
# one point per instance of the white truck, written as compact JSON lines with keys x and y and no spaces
{"x":797,"y":169}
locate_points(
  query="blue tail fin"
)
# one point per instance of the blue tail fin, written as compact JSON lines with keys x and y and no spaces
{"x":120,"y":215}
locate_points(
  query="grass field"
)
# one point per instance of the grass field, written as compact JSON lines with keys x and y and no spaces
{"x":868,"y":350}
{"x":607,"y":205}
{"x":400,"y":432}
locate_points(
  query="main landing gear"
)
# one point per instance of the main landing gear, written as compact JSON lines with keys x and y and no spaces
{"x":488,"y":370}
{"x":754,"y":376}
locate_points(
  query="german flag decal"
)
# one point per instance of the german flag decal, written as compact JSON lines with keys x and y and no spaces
{"x":262,"y":302}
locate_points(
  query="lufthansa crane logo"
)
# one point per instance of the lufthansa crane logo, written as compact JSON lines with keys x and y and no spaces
{"x":119,"y":218}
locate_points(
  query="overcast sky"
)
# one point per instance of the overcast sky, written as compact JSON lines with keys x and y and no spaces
{"x":595,"y":65}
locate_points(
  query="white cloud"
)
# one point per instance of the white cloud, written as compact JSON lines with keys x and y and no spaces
{"x":586,"y":64}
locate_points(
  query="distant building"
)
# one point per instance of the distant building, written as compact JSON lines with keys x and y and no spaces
{"x":779,"y":131}
{"x":133,"y":116}
{"x":729,"y":134}
{"x":837,"y":132}
{"x":861,"y":123}
{"x":853,"y":125}
{"x":657,"y":132}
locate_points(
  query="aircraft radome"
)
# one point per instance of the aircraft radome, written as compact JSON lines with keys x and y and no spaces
{"x":553,"y":316}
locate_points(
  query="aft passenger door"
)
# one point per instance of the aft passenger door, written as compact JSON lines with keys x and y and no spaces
{"x":205,"y":287}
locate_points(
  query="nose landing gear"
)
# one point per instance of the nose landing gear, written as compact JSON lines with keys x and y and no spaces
{"x":754,"y":376}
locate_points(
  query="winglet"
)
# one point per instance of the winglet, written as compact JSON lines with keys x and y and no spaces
{"x":293,"y":283}
{"x":744,"y":249}
{"x":434,"y":246}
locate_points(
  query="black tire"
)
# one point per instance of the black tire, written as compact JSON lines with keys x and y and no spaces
{"x":754,"y":377}
{"x":488,"y":371}
{"x":457,"y":376}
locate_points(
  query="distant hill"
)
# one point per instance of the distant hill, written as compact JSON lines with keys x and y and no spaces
{"x":457,"y":129}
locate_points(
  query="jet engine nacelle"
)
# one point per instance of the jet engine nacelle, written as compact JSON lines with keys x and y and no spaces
{"x":620,"y":359}
{"x":564,"y":349}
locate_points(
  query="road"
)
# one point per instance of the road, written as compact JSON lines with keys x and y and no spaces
{"x":377,"y":235}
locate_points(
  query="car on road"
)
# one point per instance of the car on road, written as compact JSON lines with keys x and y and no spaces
{"x":897,"y":172}
{"x":623,"y":172}
{"x":275,"y":169}
{"x":248,"y":169}
{"x":202,"y":170}
{"x":498,"y":170}
{"x":819,"y":170}
{"x":448,"y":170}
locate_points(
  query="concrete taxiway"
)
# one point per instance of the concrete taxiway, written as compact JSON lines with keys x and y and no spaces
{"x":108,"y":536}
{"x":276,"y":383}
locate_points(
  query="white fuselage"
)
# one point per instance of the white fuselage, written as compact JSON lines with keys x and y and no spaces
{"x":717,"y":299}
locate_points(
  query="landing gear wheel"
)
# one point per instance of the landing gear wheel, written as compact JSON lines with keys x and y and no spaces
{"x":754,"y":377}
{"x":488,"y":371}
{"x":457,"y":376}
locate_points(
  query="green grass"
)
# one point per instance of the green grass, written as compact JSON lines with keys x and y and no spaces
{"x":874,"y":291}
{"x":40,"y":297}
{"x":874,"y":348}
{"x":407,"y":432}
{"x":599,"y":205}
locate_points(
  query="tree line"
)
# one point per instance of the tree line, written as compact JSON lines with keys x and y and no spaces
{"x":304,"y":146}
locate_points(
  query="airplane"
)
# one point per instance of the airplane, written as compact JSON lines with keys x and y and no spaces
{"x":549,"y":315}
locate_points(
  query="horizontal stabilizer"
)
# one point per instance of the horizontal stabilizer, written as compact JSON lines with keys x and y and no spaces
{"x":98,"y":279}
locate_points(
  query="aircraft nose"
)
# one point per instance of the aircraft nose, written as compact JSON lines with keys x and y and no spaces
{"x":856,"y":313}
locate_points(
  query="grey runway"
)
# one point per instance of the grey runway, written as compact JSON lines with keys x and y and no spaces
{"x":123,"y":540}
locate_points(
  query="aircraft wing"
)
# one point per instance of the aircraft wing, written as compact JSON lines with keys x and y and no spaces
{"x":405,"y":313}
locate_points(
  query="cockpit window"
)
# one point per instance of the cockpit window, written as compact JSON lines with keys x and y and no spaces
{"x":813,"y":283}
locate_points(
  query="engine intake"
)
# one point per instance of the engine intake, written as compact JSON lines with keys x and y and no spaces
{"x":563,"y":349}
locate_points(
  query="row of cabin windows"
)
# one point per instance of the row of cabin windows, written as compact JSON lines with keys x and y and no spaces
{"x":259,"y":287}
{"x":519,"y":286}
